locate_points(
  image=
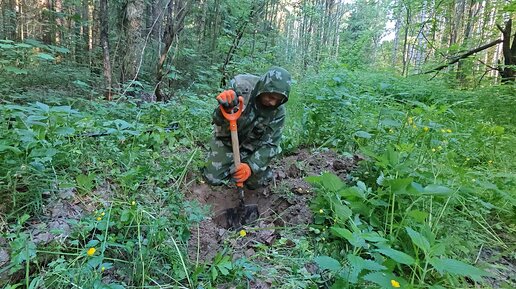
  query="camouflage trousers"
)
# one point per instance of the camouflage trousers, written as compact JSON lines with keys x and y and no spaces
{"x":220,"y":166}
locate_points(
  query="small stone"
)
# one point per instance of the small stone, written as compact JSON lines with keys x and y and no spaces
{"x":250,"y":252}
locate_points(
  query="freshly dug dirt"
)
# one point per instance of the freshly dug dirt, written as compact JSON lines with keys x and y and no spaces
{"x":285,"y":203}
{"x":501,"y":265}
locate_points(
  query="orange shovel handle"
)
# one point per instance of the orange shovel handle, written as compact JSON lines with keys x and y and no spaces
{"x":232,"y":118}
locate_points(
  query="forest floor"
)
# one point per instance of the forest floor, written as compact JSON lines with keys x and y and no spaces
{"x":283,"y":205}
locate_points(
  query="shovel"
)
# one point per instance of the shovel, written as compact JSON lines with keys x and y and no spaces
{"x":243,"y":214}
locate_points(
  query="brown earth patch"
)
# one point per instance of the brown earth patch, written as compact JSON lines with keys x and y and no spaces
{"x":501,"y":264}
{"x":285,"y":203}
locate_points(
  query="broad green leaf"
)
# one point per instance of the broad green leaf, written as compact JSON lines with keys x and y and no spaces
{"x":35,"y":42}
{"x":59,"y":49}
{"x":327,"y":263}
{"x":362,"y":134}
{"x":81,"y":84}
{"x":45,"y":56}
{"x":342,"y":211}
{"x":400,"y":186}
{"x":397,"y":256}
{"x":224,"y":265}
{"x":42,"y":106}
{"x":15,"y":70}
{"x":418,"y":216}
{"x":6,"y":46}
{"x":342,"y":232}
{"x":373,"y":237}
{"x":418,"y":239}
{"x":63,"y":108}
{"x":92,"y":243}
{"x":65,"y":131}
{"x":328,"y":181}
{"x":358,"y":264}
{"x":390,"y":123}
{"x":434,"y":189}
{"x":352,"y":192}
{"x":456,"y":267}
{"x":9,"y":148}
{"x":23,"y":45}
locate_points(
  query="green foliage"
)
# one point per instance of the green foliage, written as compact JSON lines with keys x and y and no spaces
{"x":434,"y":184}
{"x":423,"y":161}
{"x":107,"y":156}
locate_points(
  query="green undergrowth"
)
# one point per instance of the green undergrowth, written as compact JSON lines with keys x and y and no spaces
{"x":435,"y":187}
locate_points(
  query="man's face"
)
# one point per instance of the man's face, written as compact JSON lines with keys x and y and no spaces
{"x":270,"y":99}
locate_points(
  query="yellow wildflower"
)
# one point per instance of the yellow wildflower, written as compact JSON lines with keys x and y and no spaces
{"x":99,"y":218}
{"x":443,"y":130}
{"x":414,"y":126}
{"x":449,"y":131}
{"x":490,"y":161}
{"x":102,"y":269}
{"x":426,"y":129}
{"x":102,"y":214}
{"x":395,"y":284}
{"x":91,"y":251}
{"x":243,"y":233}
{"x":321,"y":211}
{"x":433,"y":150}
{"x":391,"y":130}
{"x":133,"y":203}
{"x":410,"y":120}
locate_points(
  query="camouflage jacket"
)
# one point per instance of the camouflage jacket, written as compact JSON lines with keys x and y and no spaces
{"x":259,"y":129}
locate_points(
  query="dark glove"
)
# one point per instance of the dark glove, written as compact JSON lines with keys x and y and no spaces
{"x":228,"y":99}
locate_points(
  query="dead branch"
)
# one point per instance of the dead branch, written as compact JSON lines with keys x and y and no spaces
{"x":465,"y":55}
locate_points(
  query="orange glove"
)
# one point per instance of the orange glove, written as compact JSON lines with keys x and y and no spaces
{"x":228,"y":99}
{"x":242,"y":173}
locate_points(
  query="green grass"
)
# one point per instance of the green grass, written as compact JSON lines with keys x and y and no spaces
{"x":436,"y":186}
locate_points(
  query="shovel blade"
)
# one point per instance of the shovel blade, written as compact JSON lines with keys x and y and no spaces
{"x":242,"y":215}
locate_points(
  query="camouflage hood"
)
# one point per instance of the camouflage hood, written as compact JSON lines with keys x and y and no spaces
{"x":276,"y":80}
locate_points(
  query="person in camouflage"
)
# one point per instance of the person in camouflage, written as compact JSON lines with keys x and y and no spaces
{"x":259,"y":129}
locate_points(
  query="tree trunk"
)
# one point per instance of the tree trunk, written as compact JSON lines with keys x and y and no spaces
{"x":104,"y":40}
{"x":174,"y":25}
{"x":397,"y":26}
{"x":47,"y":22}
{"x":405,"y":40}
{"x":135,"y":41}
{"x":58,"y":5}
{"x":421,"y":45}
{"x":156,"y":17}
{"x":508,"y":72}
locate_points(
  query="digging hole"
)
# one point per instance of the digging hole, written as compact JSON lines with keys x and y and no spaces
{"x":285,"y":203}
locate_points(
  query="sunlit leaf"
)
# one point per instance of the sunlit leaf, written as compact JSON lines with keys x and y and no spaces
{"x":45,"y":56}
{"x":418,"y":239}
{"x":327,"y":263}
{"x":459,"y":268}
{"x":397,"y":256}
